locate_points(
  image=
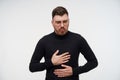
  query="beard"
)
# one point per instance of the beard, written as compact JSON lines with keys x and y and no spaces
{"x":62,"y":31}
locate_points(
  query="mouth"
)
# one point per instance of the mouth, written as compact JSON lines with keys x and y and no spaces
{"x":62,"y":30}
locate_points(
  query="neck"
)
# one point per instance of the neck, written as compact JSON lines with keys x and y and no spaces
{"x":61,"y":36}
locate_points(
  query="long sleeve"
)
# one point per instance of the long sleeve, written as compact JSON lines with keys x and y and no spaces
{"x":72,"y":43}
{"x":89,"y":56}
{"x":35,"y":64}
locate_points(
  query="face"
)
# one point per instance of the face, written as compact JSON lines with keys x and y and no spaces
{"x":60,"y":24}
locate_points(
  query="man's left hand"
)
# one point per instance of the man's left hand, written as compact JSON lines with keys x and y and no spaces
{"x":65,"y":72}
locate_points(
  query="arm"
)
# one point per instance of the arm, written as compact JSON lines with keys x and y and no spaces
{"x":89,"y":56}
{"x":35,"y":64}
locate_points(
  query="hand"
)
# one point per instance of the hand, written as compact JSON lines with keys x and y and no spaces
{"x":67,"y":71}
{"x":60,"y":59}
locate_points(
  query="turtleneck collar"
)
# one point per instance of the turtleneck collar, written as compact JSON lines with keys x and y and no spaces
{"x":61,"y":36}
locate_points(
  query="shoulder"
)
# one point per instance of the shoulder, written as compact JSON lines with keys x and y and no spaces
{"x":45,"y":38}
{"x":79,"y":38}
{"x":76,"y":35}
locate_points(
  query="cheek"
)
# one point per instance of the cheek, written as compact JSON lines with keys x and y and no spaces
{"x":66,"y":26}
{"x":56,"y":27}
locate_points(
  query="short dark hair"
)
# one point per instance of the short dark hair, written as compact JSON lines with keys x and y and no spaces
{"x":59,"y":11}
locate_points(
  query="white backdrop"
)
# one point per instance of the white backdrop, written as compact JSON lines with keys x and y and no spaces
{"x":24,"y":22}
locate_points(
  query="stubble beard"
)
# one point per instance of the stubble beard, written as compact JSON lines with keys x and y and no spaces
{"x":62,"y":31}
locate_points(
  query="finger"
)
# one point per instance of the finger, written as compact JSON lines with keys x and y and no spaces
{"x":56,"y":52}
{"x":66,"y":57}
{"x":64,"y":54}
{"x":59,"y":70}
{"x":59,"y":74}
{"x":65,"y":66}
{"x":65,"y":61}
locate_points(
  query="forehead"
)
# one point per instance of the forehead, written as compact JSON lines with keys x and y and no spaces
{"x":60,"y":18}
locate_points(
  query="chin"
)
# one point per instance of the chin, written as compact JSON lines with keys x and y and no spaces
{"x":62,"y":33}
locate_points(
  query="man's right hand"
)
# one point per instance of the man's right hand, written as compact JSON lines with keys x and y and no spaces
{"x":60,"y":59}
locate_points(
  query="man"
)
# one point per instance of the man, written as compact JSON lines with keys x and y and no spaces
{"x":61,"y":50}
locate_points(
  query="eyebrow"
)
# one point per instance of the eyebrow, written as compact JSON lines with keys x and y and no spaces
{"x":62,"y":21}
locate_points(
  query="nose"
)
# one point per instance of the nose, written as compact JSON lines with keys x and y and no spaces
{"x":62,"y":25}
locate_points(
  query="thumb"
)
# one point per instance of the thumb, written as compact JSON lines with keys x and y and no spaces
{"x":56,"y":52}
{"x":63,"y":65}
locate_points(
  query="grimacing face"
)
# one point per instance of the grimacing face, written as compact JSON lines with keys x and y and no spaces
{"x":60,"y":24}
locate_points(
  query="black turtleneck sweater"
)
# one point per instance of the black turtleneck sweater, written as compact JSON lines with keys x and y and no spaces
{"x":70,"y":42}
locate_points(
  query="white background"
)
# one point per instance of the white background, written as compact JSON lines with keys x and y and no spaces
{"x":24,"y":22}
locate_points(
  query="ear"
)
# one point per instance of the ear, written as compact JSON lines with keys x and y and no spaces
{"x":68,"y":20}
{"x":52,"y":21}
